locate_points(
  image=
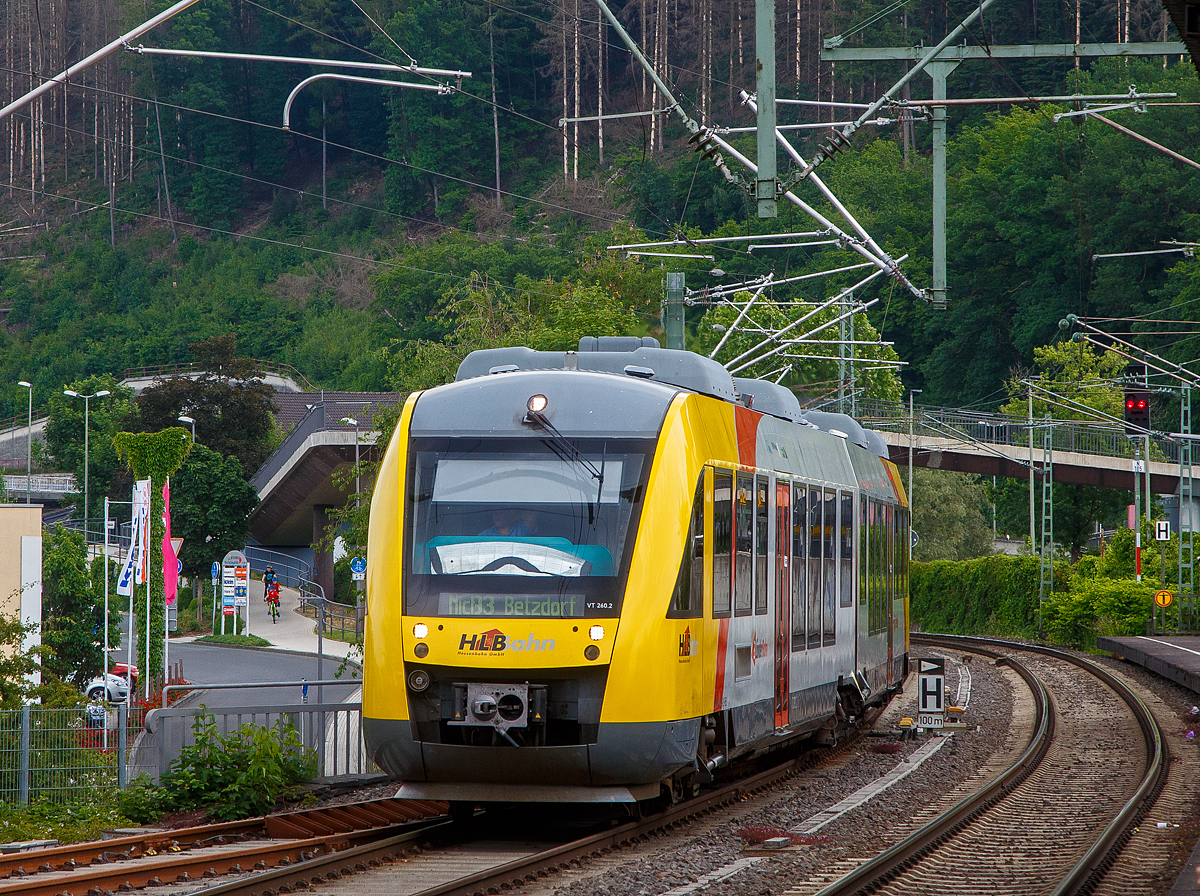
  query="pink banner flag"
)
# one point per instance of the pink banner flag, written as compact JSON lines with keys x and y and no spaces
{"x":170,"y":562}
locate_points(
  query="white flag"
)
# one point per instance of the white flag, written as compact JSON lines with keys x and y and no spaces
{"x":141,"y":533}
{"x":133,"y":561}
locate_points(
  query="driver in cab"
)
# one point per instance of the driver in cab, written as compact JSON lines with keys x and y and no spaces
{"x":512,"y":524}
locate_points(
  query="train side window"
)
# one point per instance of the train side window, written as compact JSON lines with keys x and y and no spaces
{"x":722,"y":542}
{"x":799,"y":534}
{"x":761,"y":525}
{"x":829,"y":534}
{"x":879,"y":555}
{"x":863,"y":540}
{"x":743,"y":545}
{"x":816,"y":577}
{"x":687,"y":602}
{"x":891,"y":557}
{"x":846,"y":523}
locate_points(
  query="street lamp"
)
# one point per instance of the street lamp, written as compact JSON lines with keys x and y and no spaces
{"x":28,"y":443}
{"x":184,"y":418}
{"x":86,"y":399}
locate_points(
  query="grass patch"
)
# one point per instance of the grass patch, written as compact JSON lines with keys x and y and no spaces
{"x":44,"y":820}
{"x":236,"y":640}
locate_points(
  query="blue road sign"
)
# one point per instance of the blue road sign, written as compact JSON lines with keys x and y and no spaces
{"x":358,"y":564}
{"x":216,"y":570}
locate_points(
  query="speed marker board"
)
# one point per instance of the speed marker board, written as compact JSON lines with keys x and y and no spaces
{"x":931,"y":688}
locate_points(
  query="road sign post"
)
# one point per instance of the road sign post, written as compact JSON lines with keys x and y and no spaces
{"x":235,"y":587}
{"x":931,"y":689}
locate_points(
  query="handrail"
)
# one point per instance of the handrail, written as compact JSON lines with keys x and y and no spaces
{"x":275,"y":367}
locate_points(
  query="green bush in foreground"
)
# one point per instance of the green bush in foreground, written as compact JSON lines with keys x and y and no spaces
{"x":236,"y":640}
{"x":238,"y":775}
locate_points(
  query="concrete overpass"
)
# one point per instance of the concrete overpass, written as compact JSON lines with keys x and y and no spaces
{"x":296,"y":484}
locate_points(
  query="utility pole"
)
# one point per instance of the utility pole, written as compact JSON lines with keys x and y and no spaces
{"x":672,"y":311}
{"x":911,"y":442}
{"x":1032,"y":527}
{"x":766,"y":189}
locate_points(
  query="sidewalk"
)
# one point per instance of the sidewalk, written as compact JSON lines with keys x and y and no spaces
{"x":292,"y":632}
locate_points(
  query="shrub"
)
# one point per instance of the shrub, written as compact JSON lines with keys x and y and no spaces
{"x":1098,"y":606}
{"x":237,"y":775}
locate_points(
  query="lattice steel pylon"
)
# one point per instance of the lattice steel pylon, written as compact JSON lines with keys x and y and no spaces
{"x":1046,"y":566}
{"x":1187,"y":570}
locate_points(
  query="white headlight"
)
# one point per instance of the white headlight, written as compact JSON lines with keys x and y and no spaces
{"x":420,"y":630}
{"x":596,"y":633}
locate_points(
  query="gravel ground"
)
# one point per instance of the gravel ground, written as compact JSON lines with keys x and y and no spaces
{"x":996,"y":716}
{"x":712,"y":844}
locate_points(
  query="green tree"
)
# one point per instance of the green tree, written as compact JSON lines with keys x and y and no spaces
{"x":231,"y":405}
{"x":17,"y":664}
{"x":948,"y":516}
{"x":153,"y":456}
{"x":73,"y":609}
{"x":64,"y":436}
{"x":1075,"y":382}
{"x":210,"y":507}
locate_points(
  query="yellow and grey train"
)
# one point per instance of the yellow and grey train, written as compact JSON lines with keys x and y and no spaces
{"x":599,"y":575}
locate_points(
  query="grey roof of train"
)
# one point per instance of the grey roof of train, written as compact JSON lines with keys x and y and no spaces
{"x":640,"y":358}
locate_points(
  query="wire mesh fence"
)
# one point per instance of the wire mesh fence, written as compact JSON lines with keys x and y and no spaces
{"x":65,"y":755}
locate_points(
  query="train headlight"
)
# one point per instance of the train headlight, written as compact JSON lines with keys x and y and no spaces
{"x":418,"y":680}
{"x":421,"y":650}
{"x":592,"y":652}
{"x":596,"y":633}
{"x":420,"y":631}
{"x":536,"y":404}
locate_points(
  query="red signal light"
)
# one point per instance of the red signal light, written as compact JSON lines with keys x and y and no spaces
{"x":1141,"y":405}
{"x":1129,"y":403}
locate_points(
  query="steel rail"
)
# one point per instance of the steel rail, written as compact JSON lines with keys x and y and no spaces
{"x":321,"y":869}
{"x":1094,"y":864}
{"x":1101,"y":856}
{"x":924,"y":840}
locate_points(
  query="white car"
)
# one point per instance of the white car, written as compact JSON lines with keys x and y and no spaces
{"x":117,"y":689}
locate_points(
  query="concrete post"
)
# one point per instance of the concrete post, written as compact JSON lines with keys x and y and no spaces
{"x":764,"y":49}
{"x":939,"y":72}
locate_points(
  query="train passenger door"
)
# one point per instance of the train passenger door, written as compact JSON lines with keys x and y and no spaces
{"x":783,"y":592}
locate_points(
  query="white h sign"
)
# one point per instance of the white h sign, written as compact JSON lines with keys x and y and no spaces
{"x":931,"y":687}
{"x":1162,"y":530}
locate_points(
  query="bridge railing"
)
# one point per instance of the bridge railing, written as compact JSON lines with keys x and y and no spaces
{"x":1079,"y":436}
{"x":41,"y":483}
{"x":164,"y":370}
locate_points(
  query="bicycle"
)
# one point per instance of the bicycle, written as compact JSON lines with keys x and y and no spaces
{"x":272,"y":599}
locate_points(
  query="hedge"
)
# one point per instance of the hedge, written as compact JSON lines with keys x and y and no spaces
{"x":995,"y":595}
{"x":998,"y":596}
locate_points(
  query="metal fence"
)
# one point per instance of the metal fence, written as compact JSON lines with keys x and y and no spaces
{"x":65,"y":755}
{"x":333,"y":731}
{"x":1108,"y":440}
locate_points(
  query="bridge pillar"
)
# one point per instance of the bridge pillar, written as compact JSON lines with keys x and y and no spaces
{"x":322,"y":556}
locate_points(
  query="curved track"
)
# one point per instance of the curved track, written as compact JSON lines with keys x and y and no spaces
{"x":1057,"y":818}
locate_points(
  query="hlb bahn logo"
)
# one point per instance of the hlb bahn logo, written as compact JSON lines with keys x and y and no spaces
{"x":688,"y":646}
{"x":495,"y":642}
{"x":489,"y":642}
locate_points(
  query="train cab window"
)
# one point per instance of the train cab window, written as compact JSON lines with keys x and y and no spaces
{"x":816,"y":574}
{"x":519,"y":528}
{"x":743,"y":546}
{"x":846,"y":552}
{"x":722,"y":543}
{"x":829,"y":533}
{"x":799,"y":536}
{"x":687,"y":601}
{"x":761,"y":524}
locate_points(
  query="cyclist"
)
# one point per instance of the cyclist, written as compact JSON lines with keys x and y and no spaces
{"x":273,"y":600}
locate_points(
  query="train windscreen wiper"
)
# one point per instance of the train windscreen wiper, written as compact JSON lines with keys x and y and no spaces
{"x":563,"y":447}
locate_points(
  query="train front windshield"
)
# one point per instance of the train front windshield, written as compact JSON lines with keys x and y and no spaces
{"x":521,"y":528}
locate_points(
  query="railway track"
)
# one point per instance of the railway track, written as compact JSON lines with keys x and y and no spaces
{"x":1056,"y":820}
{"x":153,"y":858}
{"x":408,"y":865}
